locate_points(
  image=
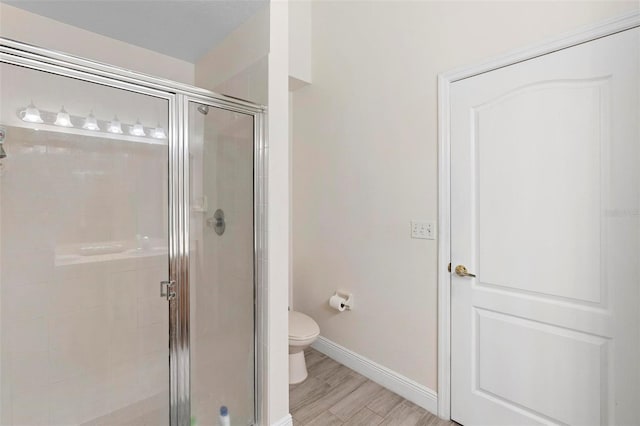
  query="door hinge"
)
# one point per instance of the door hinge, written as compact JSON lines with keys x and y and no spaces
{"x":449,"y":267}
{"x":168,"y":289}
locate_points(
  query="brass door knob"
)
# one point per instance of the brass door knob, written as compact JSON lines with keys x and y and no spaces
{"x":462,"y":271}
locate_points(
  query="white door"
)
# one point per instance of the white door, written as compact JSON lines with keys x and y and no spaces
{"x":545,"y":165}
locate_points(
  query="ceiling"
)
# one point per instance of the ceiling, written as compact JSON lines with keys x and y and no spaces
{"x":183,"y":29}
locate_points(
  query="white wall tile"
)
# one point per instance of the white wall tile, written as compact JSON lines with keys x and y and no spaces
{"x":27,"y":336}
{"x":29,"y":371}
{"x":23,"y":301}
{"x":67,"y":401}
{"x":31,"y":409}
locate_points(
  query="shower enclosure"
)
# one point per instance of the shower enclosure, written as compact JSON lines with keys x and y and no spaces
{"x":132,"y":254}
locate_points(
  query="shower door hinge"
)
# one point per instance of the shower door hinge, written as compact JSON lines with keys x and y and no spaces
{"x":168,"y":289}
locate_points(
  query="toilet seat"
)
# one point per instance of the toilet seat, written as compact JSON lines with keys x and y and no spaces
{"x":302,"y":327}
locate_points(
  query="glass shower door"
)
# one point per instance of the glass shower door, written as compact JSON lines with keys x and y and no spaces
{"x":83,"y":247}
{"x":222,"y":344}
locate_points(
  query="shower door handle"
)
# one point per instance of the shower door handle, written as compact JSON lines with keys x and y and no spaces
{"x":168,"y":289}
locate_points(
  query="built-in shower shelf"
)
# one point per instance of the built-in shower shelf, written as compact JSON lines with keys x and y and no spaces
{"x":109,"y":251}
{"x":73,"y":259}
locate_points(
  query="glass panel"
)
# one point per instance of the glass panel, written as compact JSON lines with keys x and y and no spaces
{"x":222,"y":285}
{"x":83,"y":227}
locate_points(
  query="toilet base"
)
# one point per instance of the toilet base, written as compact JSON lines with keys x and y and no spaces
{"x":297,"y":368}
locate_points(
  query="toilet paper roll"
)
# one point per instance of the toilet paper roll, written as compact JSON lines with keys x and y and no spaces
{"x":337,"y":302}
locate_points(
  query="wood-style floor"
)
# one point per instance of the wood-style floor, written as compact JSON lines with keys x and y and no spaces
{"x":334,"y":395}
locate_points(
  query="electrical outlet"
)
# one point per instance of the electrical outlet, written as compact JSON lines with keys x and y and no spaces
{"x":423,"y":230}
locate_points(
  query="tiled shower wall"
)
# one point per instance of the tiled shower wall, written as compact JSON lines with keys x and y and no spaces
{"x":81,"y":336}
{"x":222,"y":339}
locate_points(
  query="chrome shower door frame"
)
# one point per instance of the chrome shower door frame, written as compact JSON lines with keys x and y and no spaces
{"x":259,"y":244}
{"x":178,"y":96}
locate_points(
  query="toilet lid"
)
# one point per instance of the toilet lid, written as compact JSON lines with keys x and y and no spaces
{"x":302,"y":326}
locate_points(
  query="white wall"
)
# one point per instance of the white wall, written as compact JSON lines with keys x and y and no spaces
{"x":278,"y":210}
{"x":238,"y":65}
{"x":27,"y":27}
{"x":365,"y":159}
{"x":235,"y":55}
{"x":299,"y":43}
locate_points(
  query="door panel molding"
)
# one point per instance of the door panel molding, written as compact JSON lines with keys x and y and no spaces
{"x":621,"y":23}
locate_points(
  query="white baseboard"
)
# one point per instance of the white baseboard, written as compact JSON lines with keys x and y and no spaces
{"x":403,"y":386}
{"x":285,"y":421}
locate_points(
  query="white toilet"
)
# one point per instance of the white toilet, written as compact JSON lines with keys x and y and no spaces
{"x":303,"y":331}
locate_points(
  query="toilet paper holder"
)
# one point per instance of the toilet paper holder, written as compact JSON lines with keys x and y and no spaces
{"x":348,"y":299}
